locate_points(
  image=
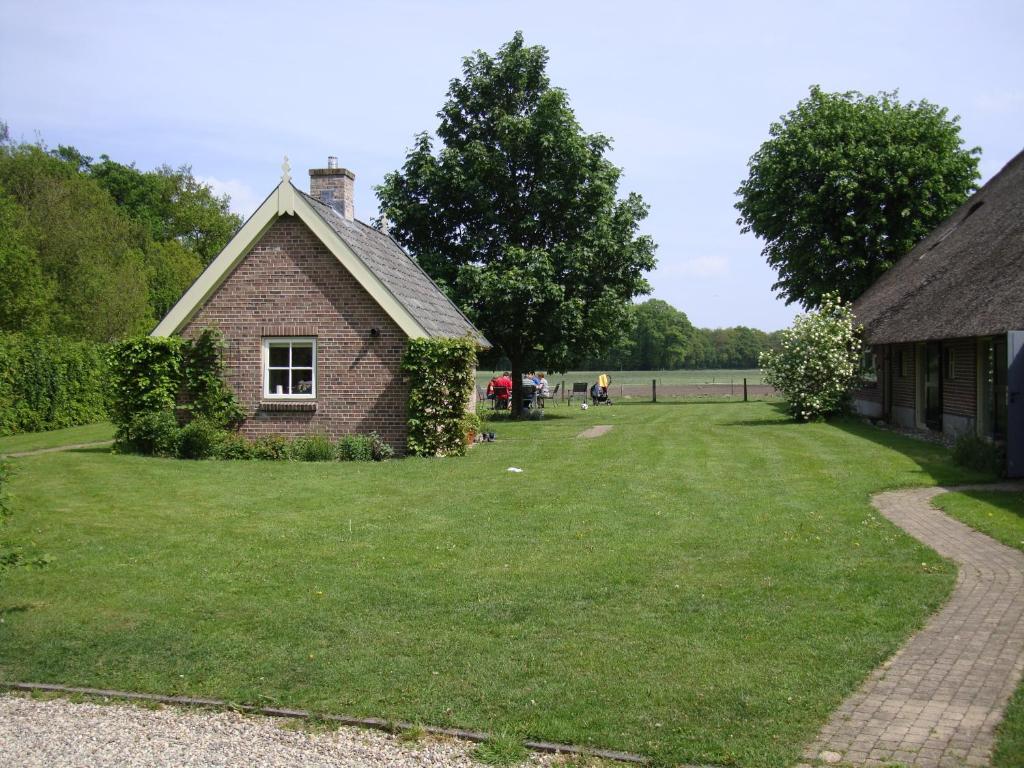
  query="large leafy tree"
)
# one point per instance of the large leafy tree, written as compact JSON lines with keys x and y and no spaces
{"x":517,"y":215}
{"x":847,"y":184}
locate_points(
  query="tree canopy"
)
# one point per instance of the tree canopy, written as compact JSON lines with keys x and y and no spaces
{"x":99,"y":250}
{"x":517,"y":215}
{"x":847,"y":184}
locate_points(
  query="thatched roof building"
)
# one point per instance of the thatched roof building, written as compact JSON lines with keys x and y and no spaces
{"x":965,"y":279}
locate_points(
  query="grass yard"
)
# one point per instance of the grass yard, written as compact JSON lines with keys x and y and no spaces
{"x":1001,"y":516}
{"x":703,"y":583}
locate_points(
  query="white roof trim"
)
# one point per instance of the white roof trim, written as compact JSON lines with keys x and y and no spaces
{"x":283,"y":200}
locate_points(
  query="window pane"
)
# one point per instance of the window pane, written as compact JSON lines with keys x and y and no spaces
{"x":279,"y":379}
{"x":302,"y":356}
{"x":279,"y":355}
{"x":302,"y":381}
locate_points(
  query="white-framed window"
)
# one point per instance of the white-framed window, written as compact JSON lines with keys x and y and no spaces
{"x":289,"y":367}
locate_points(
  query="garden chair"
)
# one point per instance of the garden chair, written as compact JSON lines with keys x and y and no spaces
{"x":580,"y":388}
{"x":501,"y":397}
{"x":551,"y":395}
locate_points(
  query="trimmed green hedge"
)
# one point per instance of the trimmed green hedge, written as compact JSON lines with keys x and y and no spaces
{"x":48,"y":382}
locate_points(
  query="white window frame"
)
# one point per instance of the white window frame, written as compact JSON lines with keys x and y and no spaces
{"x":290,"y":340}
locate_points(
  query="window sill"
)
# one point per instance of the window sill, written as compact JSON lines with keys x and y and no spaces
{"x":287,"y":405}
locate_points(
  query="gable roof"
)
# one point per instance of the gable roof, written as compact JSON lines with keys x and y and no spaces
{"x":400,"y":274}
{"x":373,"y":258}
{"x":966,"y":278}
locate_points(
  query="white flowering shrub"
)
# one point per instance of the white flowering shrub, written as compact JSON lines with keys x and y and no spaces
{"x":818,"y":362}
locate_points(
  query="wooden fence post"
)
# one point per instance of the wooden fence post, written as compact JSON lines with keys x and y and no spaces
{"x":654,"y":390}
{"x":744,"y":389}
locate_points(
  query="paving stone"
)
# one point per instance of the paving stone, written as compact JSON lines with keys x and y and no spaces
{"x":938,"y":700}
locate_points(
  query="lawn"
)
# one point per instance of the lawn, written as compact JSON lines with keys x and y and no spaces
{"x":703,"y":583}
{"x":1001,"y":516}
{"x":31,"y":441}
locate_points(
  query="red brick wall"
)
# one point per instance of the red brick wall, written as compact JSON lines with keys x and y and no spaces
{"x":960,"y":394}
{"x":290,"y":284}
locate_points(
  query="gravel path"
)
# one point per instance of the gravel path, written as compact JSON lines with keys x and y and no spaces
{"x":57,"y":733}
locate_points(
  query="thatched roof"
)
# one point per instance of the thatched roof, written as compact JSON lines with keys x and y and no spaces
{"x":966,"y":278}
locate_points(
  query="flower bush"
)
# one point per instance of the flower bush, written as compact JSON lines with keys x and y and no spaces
{"x":818,"y":361}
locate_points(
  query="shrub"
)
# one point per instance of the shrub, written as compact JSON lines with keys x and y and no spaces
{"x":355,"y":448}
{"x":203,"y":380}
{"x":980,"y":454}
{"x":154,"y":433}
{"x":315,"y":447}
{"x":200,"y":439}
{"x":817,"y":362}
{"x":236,"y":446}
{"x":47,"y":382}
{"x":270,"y":448}
{"x":441,"y":376}
{"x":380,"y":450}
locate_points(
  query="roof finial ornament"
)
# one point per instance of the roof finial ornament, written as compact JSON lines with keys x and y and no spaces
{"x":286,"y":171}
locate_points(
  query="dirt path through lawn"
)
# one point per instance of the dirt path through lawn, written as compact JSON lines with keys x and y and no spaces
{"x":938,"y":700}
{"x":55,"y":449}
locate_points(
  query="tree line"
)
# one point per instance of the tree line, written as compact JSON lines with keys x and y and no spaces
{"x":95,"y":249}
{"x":660,"y":337}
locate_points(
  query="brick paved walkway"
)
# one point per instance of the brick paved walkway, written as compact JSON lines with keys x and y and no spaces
{"x":937,"y":701}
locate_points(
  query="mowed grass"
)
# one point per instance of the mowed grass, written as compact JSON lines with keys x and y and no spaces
{"x":643,"y":378}
{"x":1000,"y":515}
{"x":31,"y":441}
{"x":703,"y":583}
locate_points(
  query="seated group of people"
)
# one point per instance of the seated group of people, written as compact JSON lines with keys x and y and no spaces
{"x":535,"y":389}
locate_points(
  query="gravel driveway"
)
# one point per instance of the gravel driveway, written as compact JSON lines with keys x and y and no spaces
{"x":60,"y":734}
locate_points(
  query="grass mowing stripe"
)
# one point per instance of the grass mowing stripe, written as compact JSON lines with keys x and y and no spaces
{"x":685,"y":586}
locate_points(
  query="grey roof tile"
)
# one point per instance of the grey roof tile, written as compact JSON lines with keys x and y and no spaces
{"x":402,"y":276}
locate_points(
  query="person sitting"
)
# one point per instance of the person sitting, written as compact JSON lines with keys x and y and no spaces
{"x":543,"y":389}
{"x":502,"y":390}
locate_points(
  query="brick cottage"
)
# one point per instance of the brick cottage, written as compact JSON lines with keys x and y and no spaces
{"x":316,"y":308}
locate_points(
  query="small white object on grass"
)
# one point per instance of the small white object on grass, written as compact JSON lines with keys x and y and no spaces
{"x":514,"y":469}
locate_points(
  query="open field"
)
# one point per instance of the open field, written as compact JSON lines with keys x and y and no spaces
{"x":703,"y":583}
{"x":636,"y":385}
{"x":31,"y":441}
{"x":1001,"y":516}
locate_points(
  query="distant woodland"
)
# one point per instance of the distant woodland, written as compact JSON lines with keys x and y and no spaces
{"x":95,"y":250}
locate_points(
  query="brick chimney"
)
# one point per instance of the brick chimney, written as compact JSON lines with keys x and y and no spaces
{"x":334,"y":186}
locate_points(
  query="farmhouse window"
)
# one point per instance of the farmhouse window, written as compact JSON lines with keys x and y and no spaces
{"x":289,"y":367}
{"x":906,"y":363}
{"x":950,"y":364}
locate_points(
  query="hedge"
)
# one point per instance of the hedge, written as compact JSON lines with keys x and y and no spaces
{"x":49,"y":382}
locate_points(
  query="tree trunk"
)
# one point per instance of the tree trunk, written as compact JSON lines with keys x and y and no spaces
{"x":515,"y":406}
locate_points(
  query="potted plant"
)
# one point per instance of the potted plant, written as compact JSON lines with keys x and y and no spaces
{"x":471,"y":425}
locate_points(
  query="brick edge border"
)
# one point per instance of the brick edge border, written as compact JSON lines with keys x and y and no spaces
{"x":300,"y":714}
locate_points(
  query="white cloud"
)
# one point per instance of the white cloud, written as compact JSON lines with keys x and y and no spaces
{"x":244,"y":201}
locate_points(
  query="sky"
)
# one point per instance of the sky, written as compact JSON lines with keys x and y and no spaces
{"x":686,"y":90}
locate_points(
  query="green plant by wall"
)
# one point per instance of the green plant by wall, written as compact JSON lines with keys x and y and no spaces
{"x":440,"y":373}
{"x":162,"y":375}
{"x":48,"y":382}
{"x":203,"y":378}
{"x":145,"y":377}
{"x":980,"y":454}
